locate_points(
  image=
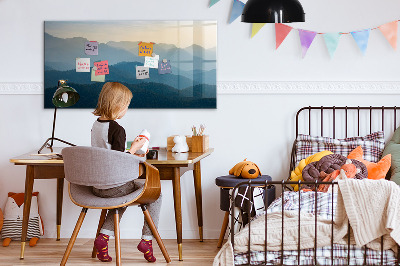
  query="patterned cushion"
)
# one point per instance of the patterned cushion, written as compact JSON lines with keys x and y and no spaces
{"x":372,"y":144}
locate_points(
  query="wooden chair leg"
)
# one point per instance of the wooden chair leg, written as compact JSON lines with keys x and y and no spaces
{"x":223,"y":229}
{"x":73,"y":237}
{"x":154,"y":230}
{"x":101,"y":222}
{"x":117,"y":238}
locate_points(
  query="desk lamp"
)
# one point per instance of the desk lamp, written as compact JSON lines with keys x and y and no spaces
{"x":273,"y":11}
{"x":64,"y":96}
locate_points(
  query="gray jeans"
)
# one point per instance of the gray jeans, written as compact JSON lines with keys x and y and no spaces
{"x":154,"y":208}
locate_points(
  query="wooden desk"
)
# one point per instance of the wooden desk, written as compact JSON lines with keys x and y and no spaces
{"x":171,"y":167}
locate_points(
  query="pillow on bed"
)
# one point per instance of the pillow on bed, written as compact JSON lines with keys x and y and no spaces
{"x":375,"y":170}
{"x":393,"y":148}
{"x":372,"y":145}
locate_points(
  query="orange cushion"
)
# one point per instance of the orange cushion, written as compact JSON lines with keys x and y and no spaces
{"x":375,"y":170}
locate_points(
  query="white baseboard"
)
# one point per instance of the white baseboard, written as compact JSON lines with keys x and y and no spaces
{"x":260,"y":87}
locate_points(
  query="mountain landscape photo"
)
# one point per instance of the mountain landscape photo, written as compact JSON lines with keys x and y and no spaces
{"x":191,"y":83}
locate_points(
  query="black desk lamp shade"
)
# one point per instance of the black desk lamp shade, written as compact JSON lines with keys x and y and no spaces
{"x":64,"y":96}
{"x":273,"y":11}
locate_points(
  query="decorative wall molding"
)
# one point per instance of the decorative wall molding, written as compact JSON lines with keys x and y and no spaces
{"x":309,"y":87}
{"x":260,"y":87}
{"x":21,"y":88}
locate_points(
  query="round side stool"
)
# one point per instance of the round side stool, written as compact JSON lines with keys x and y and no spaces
{"x":228,"y":182}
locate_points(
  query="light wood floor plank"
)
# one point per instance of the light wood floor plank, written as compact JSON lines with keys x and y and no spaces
{"x":49,"y":252}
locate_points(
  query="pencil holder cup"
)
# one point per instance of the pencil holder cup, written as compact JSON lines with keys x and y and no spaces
{"x":200,"y":143}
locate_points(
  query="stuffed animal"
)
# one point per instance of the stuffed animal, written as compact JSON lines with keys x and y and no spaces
{"x":245,"y":169}
{"x":180,"y":144}
{"x":13,"y":215}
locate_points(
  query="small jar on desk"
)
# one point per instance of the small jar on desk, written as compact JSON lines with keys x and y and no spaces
{"x":228,"y":182}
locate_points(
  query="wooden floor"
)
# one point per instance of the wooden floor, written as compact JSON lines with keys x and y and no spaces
{"x":50,"y":252}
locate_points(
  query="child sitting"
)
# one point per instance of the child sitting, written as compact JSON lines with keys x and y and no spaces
{"x":113,"y":103}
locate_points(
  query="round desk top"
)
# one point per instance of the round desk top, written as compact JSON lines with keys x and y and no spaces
{"x":230,"y":181}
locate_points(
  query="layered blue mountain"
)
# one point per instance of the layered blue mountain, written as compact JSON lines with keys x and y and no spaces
{"x":192,"y":83}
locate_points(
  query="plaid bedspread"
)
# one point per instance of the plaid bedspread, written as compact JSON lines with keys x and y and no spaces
{"x":321,"y":205}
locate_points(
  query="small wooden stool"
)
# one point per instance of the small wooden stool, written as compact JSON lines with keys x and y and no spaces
{"x":226,"y":183}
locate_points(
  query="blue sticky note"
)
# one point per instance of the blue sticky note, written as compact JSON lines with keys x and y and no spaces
{"x":164,"y":67}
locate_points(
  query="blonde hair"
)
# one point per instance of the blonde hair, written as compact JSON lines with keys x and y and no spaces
{"x":112,"y":99}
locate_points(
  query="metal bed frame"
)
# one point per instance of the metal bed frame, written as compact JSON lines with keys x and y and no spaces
{"x":283,"y":184}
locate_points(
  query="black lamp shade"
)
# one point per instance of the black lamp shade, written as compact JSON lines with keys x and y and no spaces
{"x":273,"y":11}
{"x":65,"y":96}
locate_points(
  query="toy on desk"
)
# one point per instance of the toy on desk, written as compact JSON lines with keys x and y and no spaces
{"x":13,"y":215}
{"x":144,"y":134}
{"x":245,"y":169}
{"x":180,"y":144}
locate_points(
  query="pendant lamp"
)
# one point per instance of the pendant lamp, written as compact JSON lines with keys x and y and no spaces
{"x":272,"y":11}
{"x":64,"y":96}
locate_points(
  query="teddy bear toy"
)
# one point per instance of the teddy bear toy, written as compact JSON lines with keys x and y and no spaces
{"x":13,"y":215}
{"x":180,"y":144}
{"x":245,"y":169}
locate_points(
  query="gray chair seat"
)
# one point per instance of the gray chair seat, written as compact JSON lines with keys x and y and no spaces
{"x":83,"y":196}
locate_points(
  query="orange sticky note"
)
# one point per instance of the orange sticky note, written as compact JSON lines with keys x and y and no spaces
{"x":145,"y":48}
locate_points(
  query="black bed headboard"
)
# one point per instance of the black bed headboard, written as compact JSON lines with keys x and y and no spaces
{"x":344,"y":121}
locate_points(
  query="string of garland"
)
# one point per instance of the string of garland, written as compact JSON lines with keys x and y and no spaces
{"x":361,"y":37}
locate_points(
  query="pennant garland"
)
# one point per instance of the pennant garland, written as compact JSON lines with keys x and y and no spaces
{"x":332,"y":41}
{"x":256,"y":27}
{"x":281,"y":31}
{"x":237,"y":9}
{"x":361,"y":38}
{"x":389,"y":30}
{"x":306,"y":39}
{"x":213,"y":2}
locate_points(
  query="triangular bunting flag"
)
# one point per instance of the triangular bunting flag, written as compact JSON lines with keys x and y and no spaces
{"x":237,"y":9}
{"x":281,"y":31}
{"x":332,"y":41}
{"x":306,"y":39}
{"x":255,"y":28}
{"x":390,"y":32}
{"x":361,"y":38}
{"x":213,"y":2}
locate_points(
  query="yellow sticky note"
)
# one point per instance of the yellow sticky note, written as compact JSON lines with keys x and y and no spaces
{"x":98,"y":78}
{"x":145,"y":48}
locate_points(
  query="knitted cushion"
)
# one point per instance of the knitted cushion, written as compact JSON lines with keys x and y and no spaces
{"x":328,"y":164}
{"x":372,"y":144}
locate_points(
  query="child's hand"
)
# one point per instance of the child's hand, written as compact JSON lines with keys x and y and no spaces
{"x":137,"y":144}
{"x":142,"y":155}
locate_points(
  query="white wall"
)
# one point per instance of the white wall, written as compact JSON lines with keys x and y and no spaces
{"x":258,"y":127}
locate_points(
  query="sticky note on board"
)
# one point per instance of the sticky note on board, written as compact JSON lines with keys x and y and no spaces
{"x":145,"y":48}
{"x":142,"y":72}
{"x":98,"y":78}
{"x":83,"y":65}
{"x":91,"y":48}
{"x":151,"y":62}
{"x":164,"y":67}
{"x":102,"y":68}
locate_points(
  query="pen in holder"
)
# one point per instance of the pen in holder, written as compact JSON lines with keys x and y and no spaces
{"x":200,"y":143}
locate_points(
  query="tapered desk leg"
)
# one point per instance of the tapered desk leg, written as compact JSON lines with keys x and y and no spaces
{"x":60,"y":191}
{"x":27,"y":206}
{"x":178,"y":208}
{"x":199,"y":204}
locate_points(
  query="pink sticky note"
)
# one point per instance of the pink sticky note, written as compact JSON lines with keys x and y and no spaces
{"x":102,"y":68}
